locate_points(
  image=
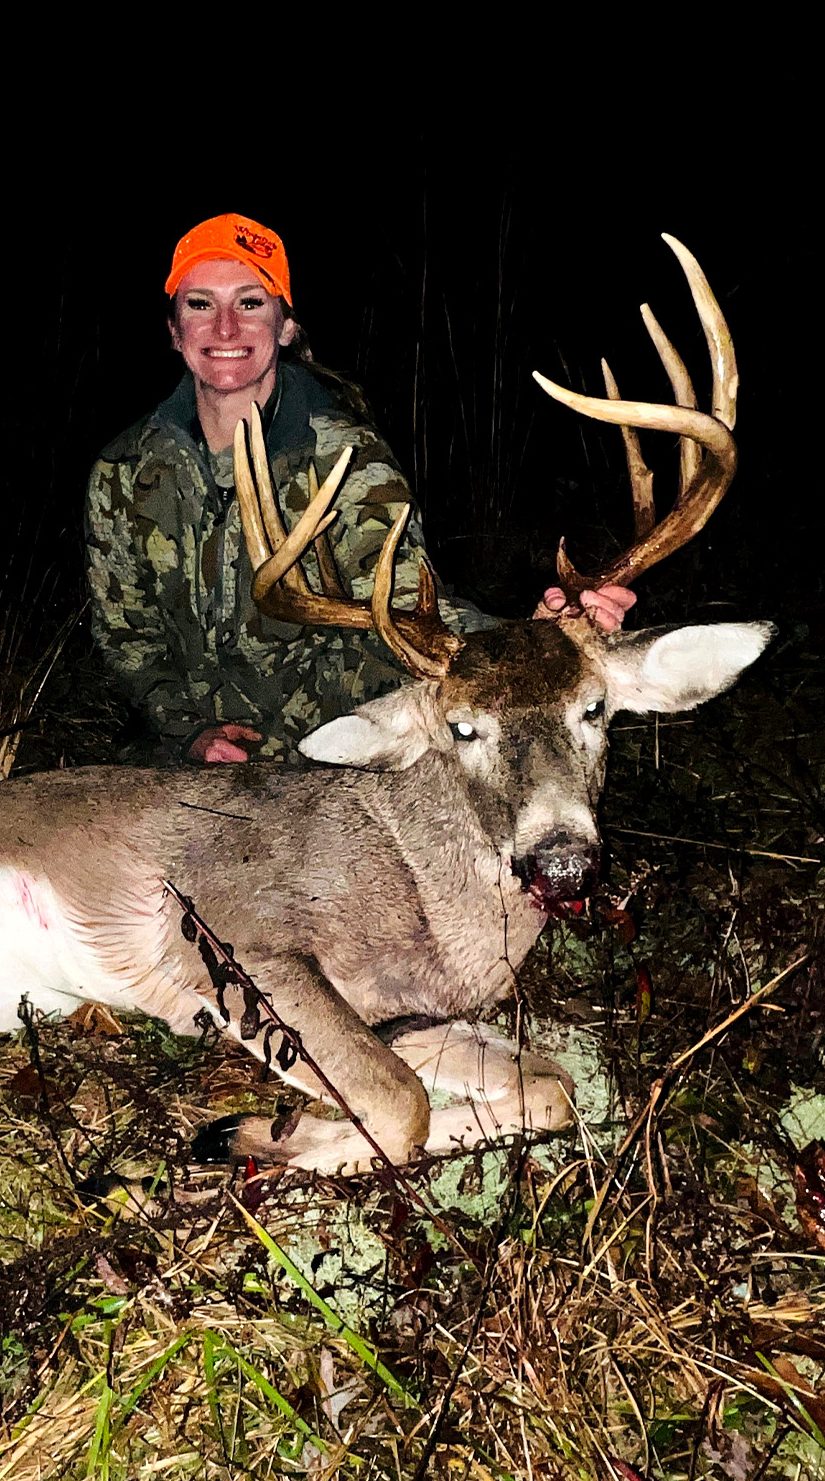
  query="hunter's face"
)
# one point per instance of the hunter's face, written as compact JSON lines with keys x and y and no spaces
{"x":227,"y":327}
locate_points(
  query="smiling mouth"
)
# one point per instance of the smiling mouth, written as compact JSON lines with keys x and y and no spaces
{"x":228,"y":354}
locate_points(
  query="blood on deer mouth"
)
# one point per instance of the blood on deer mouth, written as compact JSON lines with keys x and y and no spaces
{"x":560,"y":878}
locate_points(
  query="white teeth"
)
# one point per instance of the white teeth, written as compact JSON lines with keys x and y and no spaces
{"x":227,"y":354}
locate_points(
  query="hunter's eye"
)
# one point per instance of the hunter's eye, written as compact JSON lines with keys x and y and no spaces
{"x":464,"y":731}
{"x":595,"y":710}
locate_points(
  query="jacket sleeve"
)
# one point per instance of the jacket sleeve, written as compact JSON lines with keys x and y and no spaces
{"x":136,"y":585}
{"x":372,"y":495}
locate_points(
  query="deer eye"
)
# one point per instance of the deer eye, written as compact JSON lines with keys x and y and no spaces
{"x":594,"y":710}
{"x":464,"y":731}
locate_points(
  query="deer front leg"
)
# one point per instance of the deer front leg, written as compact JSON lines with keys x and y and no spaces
{"x":501,"y":1091}
{"x":377,"y":1086}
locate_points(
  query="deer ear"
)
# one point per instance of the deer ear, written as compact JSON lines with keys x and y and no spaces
{"x":679,"y":669}
{"x":386,"y":734}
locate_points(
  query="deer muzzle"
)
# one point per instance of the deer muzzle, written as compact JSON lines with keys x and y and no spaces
{"x":558,"y":870}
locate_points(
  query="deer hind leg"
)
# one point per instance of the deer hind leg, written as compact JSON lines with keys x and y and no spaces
{"x":500,"y":1091}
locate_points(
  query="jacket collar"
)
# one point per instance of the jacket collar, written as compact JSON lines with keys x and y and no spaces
{"x":180,"y":409}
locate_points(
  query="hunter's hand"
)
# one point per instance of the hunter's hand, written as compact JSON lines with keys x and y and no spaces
{"x":606,"y":607}
{"x":221,"y":743}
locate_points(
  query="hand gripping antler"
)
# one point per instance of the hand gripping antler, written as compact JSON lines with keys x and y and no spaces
{"x":418,"y":639}
{"x":708,"y":450}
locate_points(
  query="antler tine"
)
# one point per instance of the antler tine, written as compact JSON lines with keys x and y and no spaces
{"x":327,"y":569}
{"x":294,"y":577}
{"x":274,"y":554}
{"x":255,"y":535}
{"x":690,"y":455}
{"x":314,"y":520}
{"x":641,"y":478}
{"x":717,"y":334}
{"x":419,"y":639}
{"x":707,"y":473}
{"x":427,"y":599}
{"x":424,"y":665}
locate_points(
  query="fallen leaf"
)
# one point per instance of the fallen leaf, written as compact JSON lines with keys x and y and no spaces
{"x":627,"y":1472}
{"x":783,"y":1376}
{"x":809,"y":1181}
{"x":29,"y":1088}
{"x":111,"y":1280}
{"x":95,"y":1018}
{"x":621,"y":921}
{"x":644,"y":994}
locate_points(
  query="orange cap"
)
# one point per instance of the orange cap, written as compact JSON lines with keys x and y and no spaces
{"x":233,"y":237}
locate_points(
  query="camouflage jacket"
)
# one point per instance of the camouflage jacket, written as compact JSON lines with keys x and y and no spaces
{"x":170,"y":577}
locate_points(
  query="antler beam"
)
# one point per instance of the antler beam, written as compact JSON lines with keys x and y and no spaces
{"x":708,"y":450}
{"x":420,"y":640}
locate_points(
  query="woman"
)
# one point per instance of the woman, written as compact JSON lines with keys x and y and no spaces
{"x":209,"y":675}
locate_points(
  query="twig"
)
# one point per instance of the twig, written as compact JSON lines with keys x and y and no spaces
{"x":750,"y":1002}
{"x":731,"y":848}
{"x":422,"y":1470}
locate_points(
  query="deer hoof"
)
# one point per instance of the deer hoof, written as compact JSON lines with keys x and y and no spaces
{"x":214,"y":1142}
{"x":232,"y":1139}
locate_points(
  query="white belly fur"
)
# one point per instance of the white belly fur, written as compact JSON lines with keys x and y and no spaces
{"x":36,"y":951}
{"x":57,"y":963}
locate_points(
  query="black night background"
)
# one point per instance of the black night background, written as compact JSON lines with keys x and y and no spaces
{"x":439,"y":266}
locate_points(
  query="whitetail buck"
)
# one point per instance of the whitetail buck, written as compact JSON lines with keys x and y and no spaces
{"x":408,"y":877}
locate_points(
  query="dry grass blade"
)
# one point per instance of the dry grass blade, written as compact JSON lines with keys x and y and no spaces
{"x":737,"y":848}
{"x":19,"y":697}
{"x":645,"y":1117}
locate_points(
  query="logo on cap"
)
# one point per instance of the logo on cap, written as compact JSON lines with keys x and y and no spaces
{"x":253,"y":242}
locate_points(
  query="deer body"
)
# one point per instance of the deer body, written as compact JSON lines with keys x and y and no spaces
{"x":360,"y":870}
{"x":286,"y":862}
{"x":409,"y":880}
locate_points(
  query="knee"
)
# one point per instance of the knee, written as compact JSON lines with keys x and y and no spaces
{"x":402,"y":1127}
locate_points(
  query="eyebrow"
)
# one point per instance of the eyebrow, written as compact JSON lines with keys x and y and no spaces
{"x":254,"y":287}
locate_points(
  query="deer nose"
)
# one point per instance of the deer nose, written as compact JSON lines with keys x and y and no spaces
{"x":559,"y":868}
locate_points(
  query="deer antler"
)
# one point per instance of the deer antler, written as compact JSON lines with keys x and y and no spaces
{"x":708,"y":450}
{"x":419,"y":639}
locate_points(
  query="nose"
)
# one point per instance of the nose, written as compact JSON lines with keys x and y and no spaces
{"x":227,"y":321}
{"x":559,"y":868}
